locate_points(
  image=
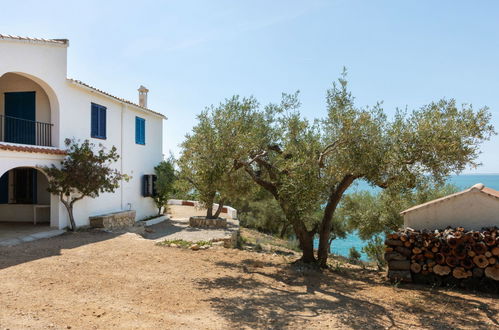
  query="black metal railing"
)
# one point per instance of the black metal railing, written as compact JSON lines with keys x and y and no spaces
{"x":17,"y":130}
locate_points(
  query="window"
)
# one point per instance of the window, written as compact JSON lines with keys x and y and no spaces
{"x":140,"y":130}
{"x":24,"y":186}
{"x":98,"y":122}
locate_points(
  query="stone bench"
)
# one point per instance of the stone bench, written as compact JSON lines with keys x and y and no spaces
{"x":116,"y":220}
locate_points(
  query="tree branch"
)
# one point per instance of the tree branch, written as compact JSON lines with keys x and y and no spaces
{"x":326,"y":150}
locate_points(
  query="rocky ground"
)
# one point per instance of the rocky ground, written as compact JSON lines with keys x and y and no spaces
{"x":98,"y":280}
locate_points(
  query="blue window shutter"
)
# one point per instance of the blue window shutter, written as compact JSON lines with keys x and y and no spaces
{"x":98,"y":121}
{"x":137,"y":130}
{"x":102,"y":123}
{"x":95,"y":121}
{"x":140,"y":130}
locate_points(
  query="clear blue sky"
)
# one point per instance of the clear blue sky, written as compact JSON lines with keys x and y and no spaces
{"x":191,"y":54}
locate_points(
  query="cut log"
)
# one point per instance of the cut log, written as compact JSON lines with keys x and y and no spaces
{"x":480,"y":248}
{"x":441,"y":270}
{"x":471,"y":253}
{"x":481,"y":261}
{"x":488,"y":254}
{"x":489,"y":240}
{"x":467,"y":263}
{"x":451,"y":261}
{"x":440,"y":258}
{"x":399,"y":265}
{"x":416,"y":250}
{"x":407,"y":244}
{"x":460,"y":273}
{"x":400,"y":276}
{"x":492,"y":261}
{"x":393,"y":242}
{"x":388,"y":249}
{"x":495,"y":251}
{"x":403,"y":251}
{"x":415,"y":268}
{"x":389,"y":256}
{"x":492,"y":272}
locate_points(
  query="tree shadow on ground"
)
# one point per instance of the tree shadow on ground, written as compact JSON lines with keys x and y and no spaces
{"x":273,"y":295}
{"x":49,"y":247}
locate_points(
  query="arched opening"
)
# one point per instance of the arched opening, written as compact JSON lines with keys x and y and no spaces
{"x":24,"y":200}
{"x":28,"y":110}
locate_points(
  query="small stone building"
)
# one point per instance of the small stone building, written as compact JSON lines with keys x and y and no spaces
{"x":473,"y":209}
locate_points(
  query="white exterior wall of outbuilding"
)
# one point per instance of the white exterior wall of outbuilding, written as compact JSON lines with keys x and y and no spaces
{"x":472,"y":210}
{"x":70,"y":113}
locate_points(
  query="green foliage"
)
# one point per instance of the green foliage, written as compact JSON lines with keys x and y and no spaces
{"x":375,"y":250}
{"x":165,"y":183}
{"x":354,"y":255}
{"x":374,"y":213}
{"x":206,"y":164}
{"x":84,"y":172}
{"x":307,"y":166}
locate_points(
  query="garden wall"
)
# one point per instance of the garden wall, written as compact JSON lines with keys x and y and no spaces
{"x":450,"y":257}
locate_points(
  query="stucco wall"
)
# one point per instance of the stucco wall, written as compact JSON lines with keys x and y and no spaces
{"x":70,"y":110}
{"x":472,"y":210}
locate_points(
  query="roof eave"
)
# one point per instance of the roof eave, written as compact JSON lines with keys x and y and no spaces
{"x":116,"y":99}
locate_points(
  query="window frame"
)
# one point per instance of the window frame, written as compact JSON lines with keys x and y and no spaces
{"x":140,"y":127}
{"x":101,"y":121}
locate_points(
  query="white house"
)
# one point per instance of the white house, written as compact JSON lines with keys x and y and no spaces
{"x":472,"y":209}
{"x":40,"y":107}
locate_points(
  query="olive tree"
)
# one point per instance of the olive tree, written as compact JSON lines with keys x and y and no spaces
{"x":206,"y":164}
{"x":309,"y":165}
{"x":84,"y":172}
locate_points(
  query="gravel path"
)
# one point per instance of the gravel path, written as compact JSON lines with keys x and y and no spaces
{"x":178,"y":227}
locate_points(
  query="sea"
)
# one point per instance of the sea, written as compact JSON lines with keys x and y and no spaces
{"x":463,"y":181}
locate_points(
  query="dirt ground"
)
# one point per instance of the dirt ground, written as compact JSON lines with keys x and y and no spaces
{"x":98,"y":280}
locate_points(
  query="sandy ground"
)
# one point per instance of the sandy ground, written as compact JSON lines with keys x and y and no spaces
{"x":177,"y":227}
{"x":98,"y":280}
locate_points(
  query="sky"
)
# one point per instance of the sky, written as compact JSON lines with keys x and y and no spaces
{"x":191,"y":54}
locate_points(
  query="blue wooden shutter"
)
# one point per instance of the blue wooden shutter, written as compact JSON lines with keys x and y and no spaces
{"x":102,"y":122}
{"x":95,"y":121}
{"x":140,"y":130}
{"x":98,"y":121}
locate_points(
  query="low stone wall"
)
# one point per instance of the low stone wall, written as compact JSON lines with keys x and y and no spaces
{"x":113,"y":221}
{"x":230,"y":211}
{"x":450,"y":257}
{"x":202,"y":222}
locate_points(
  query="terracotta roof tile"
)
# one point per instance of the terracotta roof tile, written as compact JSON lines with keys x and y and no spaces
{"x":80,"y":83}
{"x":477,"y":187}
{"x":33,"y":149}
{"x":51,"y":41}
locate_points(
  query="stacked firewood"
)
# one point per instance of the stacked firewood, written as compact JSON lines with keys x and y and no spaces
{"x":450,"y":253}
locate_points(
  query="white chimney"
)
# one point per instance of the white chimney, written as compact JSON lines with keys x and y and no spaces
{"x":143,"y":96}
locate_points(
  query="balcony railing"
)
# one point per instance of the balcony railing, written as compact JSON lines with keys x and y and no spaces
{"x":17,"y":130}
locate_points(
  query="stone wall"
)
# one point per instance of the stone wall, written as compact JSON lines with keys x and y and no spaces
{"x":117,"y":220}
{"x":202,"y":222}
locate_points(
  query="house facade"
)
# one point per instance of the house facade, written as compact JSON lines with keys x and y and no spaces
{"x":473,"y":209}
{"x":40,"y":108}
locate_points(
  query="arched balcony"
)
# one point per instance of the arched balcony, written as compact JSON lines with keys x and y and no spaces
{"x":26,"y":111}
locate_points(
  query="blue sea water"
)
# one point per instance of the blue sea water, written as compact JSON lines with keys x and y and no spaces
{"x":464,"y":181}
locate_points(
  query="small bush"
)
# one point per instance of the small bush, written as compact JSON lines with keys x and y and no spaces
{"x":375,"y":250}
{"x":354,"y":255}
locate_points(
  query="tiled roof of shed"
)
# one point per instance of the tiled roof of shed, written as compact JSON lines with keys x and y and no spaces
{"x":34,"y":149}
{"x":52,"y":41}
{"x":479,"y":187}
{"x":78,"y":82}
